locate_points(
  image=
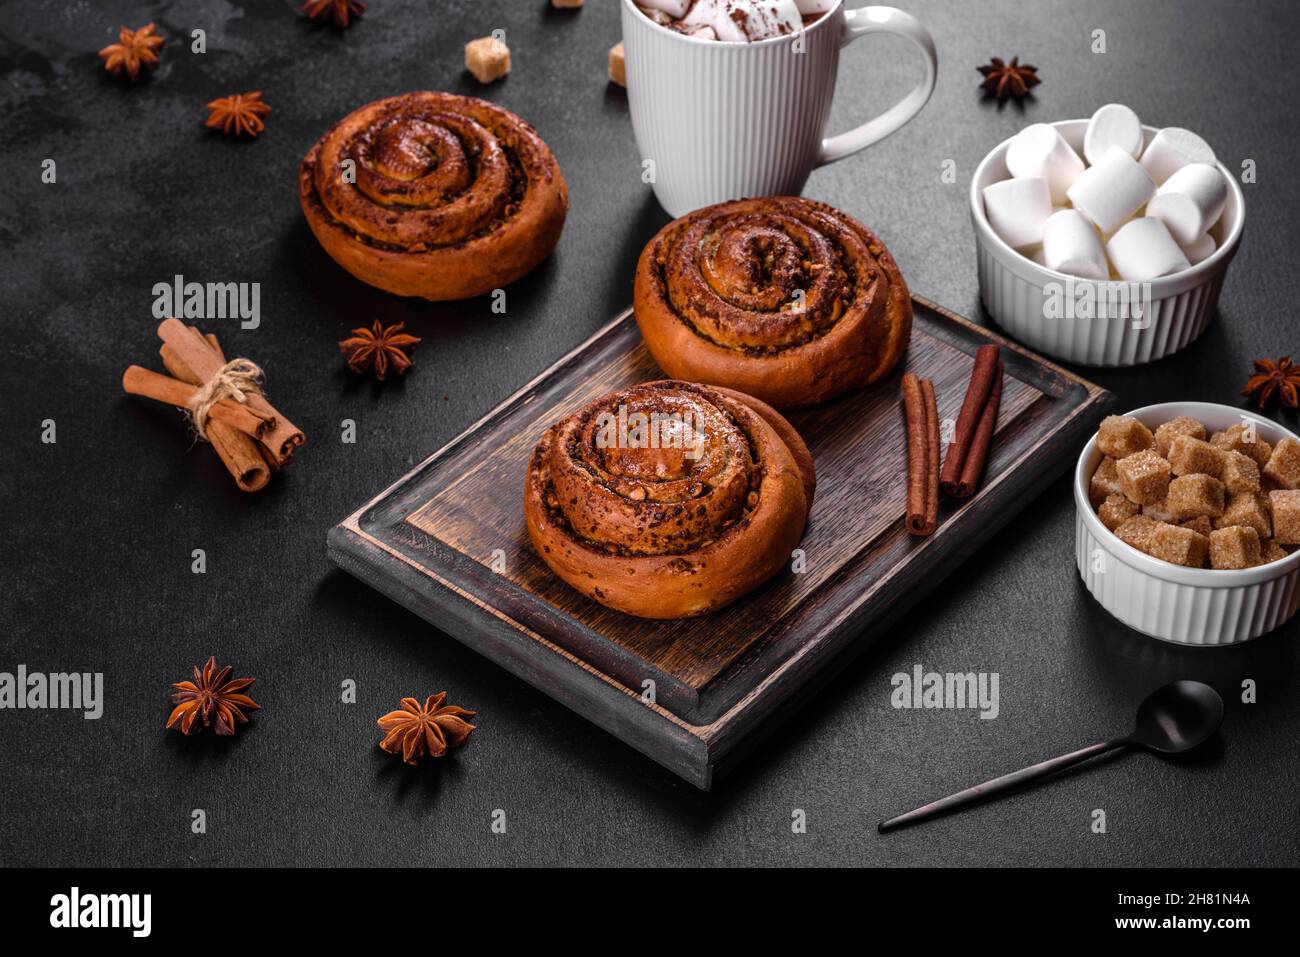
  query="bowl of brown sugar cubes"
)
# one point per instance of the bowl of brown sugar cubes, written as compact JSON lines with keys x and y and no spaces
{"x":1188,"y":524}
{"x":1103,"y":241}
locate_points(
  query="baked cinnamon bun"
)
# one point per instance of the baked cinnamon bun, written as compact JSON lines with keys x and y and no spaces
{"x":668,"y":499}
{"x":783,"y":298}
{"x":434,"y":195}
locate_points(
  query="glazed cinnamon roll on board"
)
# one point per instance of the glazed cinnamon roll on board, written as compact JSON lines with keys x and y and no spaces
{"x":783,"y":298}
{"x":668,"y":499}
{"x":434,"y":195}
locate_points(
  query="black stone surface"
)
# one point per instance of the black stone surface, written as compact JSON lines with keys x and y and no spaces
{"x":99,"y":527}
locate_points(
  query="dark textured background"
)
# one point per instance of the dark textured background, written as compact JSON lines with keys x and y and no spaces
{"x":98,"y":528}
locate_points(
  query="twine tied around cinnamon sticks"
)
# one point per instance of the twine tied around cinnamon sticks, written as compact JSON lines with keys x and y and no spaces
{"x":225,"y":401}
{"x":967,"y":453}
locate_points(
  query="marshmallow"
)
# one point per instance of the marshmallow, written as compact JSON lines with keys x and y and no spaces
{"x":1190,"y":202}
{"x":1113,"y":125}
{"x":1173,"y":148}
{"x":1018,"y":208}
{"x":1200,"y":250}
{"x":1071,"y":246}
{"x":1040,"y":150}
{"x":1111,"y":190}
{"x":1144,"y":250}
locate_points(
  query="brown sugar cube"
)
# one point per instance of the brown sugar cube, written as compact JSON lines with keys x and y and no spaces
{"x":1236,"y":546}
{"x":1192,"y":456}
{"x":566,"y":4}
{"x":1193,"y":495}
{"x":1239,"y":472}
{"x":1138,"y":531}
{"x":1284,"y":464}
{"x":1104,"y":482}
{"x":1285,"y":505}
{"x":1159,"y":511}
{"x":1123,"y":435}
{"x":1116,"y":510}
{"x":1239,"y":438}
{"x":1271,"y":551}
{"x":1183,"y":425}
{"x":1246,"y":508}
{"x":487,"y":58}
{"x":617,"y":65}
{"x":1179,"y":545}
{"x":1143,"y":477}
{"x":1200,"y":524}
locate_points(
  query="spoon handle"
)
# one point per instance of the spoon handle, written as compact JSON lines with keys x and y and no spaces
{"x":1000,"y":785}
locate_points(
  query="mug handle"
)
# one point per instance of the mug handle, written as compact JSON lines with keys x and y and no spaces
{"x":859,"y":23}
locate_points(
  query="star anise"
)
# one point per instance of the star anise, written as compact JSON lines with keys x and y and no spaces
{"x":343,"y":11}
{"x":430,"y":729}
{"x":238,"y":113}
{"x":379,"y":349}
{"x":1274,"y":380}
{"x":133,"y":53}
{"x":212,"y":695}
{"x":1008,"y":79}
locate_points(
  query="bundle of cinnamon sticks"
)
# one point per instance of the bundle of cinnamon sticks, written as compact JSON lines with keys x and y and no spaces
{"x":967,"y":453}
{"x":252,"y":439}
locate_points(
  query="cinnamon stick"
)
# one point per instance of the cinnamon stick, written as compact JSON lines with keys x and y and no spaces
{"x":964,"y":457}
{"x":137,"y":380}
{"x":190,"y":348}
{"x":921,"y":415}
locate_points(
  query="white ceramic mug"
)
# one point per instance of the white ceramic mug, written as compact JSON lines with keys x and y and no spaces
{"x":723,"y":121}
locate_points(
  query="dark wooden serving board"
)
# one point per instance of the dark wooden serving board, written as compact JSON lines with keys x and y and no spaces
{"x":448,"y":541}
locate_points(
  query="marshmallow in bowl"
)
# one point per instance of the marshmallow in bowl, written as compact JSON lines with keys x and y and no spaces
{"x":1018,"y":208}
{"x":1190,"y":202}
{"x":1111,"y":190}
{"x":1200,"y":250}
{"x":1071,"y":246}
{"x":811,"y":8}
{"x":1040,"y":150}
{"x":1112,"y":125}
{"x":1173,"y":148}
{"x":1144,"y":249}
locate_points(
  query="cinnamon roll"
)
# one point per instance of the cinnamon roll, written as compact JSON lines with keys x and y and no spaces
{"x":783,"y":298}
{"x":434,"y":195}
{"x":668,"y":499}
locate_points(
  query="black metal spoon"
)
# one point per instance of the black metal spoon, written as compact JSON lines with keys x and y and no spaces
{"x":1172,"y":719}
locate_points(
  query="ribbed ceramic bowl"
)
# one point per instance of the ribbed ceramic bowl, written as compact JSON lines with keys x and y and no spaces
{"x":1014,"y":287}
{"x":1192,"y":606}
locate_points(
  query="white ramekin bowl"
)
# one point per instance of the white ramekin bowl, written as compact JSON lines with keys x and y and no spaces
{"x":1192,"y":606}
{"x":1013,"y":285}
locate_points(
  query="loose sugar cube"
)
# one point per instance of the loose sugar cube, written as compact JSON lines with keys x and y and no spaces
{"x":1284,"y":464}
{"x":1143,"y":476}
{"x":487,"y":58}
{"x":1122,"y":435}
{"x":1159,"y":511}
{"x":1247,"y":508}
{"x":1239,"y":472}
{"x":1193,"y":495}
{"x":1201,"y":524}
{"x":1183,"y":425}
{"x":1189,"y":456}
{"x":1138,"y":532}
{"x":1245,"y":440}
{"x":617,"y":64}
{"x":1116,"y":510}
{"x":1104,"y":482}
{"x":566,"y":4}
{"x":1179,"y":545}
{"x":1285,"y":505}
{"x":1236,"y":546}
{"x":1271,"y":551}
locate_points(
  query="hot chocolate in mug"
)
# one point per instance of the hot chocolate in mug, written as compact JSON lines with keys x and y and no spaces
{"x":717,"y":120}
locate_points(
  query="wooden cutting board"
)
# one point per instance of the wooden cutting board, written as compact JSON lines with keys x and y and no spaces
{"x":448,"y":542}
